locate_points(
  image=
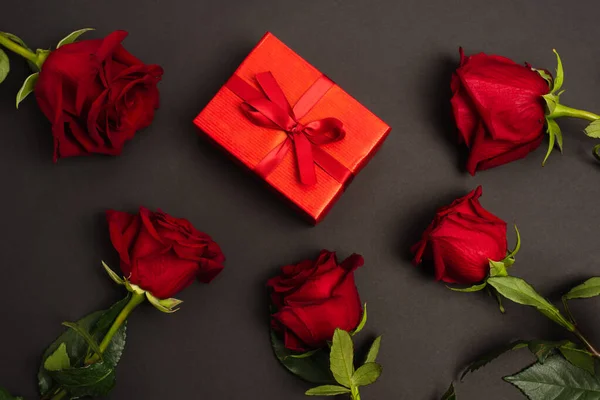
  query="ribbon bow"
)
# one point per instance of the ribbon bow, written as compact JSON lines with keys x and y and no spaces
{"x":272,"y":110}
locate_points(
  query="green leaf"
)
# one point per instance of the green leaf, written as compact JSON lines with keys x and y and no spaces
{"x":58,"y":360}
{"x":5,"y":395}
{"x":578,"y":357}
{"x":366,"y":374}
{"x":373,"y":351}
{"x":593,"y":129}
{"x":587,"y":289}
{"x":327,"y":390}
{"x":313,"y":369}
{"x":91,"y":380}
{"x":341,"y":357}
{"x":450,"y":393}
{"x":542,"y":349}
{"x":519,"y":291}
{"x":556,"y":379}
{"x":551,"y":140}
{"x":554,"y":130}
{"x":4,"y":65}
{"x":560,"y":75}
{"x":491,"y":356}
{"x":97,"y":323}
{"x":72,"y":37}
{"x":474,"y":288}
{"x":362,"y":323}
{"x":85,"y":335}
{"x":27,"y":88}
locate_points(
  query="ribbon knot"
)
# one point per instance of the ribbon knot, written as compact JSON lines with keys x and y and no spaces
{"x":272,"y":110}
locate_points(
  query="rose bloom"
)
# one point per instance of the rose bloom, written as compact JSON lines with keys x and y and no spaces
{"x":97,"y":96}
{"x":461,"y":240}
{"x":313,"y":298}
{"x":498,"y":109}
{"x":162,"y":254}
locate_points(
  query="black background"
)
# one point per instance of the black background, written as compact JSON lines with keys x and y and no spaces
{"x":396,"y":58}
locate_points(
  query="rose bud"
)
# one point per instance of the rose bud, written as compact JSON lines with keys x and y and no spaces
{"x":313,"y":298}
{"x":162,"y":254}
{"x":96,"y":95}
{"x":461,"y":241}
{"x":498,"y":109}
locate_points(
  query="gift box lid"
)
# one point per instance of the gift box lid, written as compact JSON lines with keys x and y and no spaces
{"x":227,"y":123}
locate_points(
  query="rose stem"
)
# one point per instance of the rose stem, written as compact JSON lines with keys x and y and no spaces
{"x":564,"y":111}
{"x":135,"y":300}
{"x":355,"y":394}
{"x":20,"y":50}
{"x":587,"y":343}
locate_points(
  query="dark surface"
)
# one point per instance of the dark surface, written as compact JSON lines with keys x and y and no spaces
{"x":396,"y":58}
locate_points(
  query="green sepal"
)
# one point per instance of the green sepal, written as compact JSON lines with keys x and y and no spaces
{"x":373,"y":351}
{"x":551,"y":101}
{"x":470,"y":289}
{"x":450,"y":393}
{"x":362,"y":323}
{"x":546,"y":75}
{"x":514,"y":252}
{"x":113,"y":275}
{"x":4,"y":65}
{"x":165,"y":305}
{"x":313,"y":369}
{"x":497,"y":268}
{"x":58,"y":360}
{"x":305,"y":355}
{"x":27,"y":88}
{"x":327,"y":390}
{"x":560,"y":74}
{"x":589,"y":288}
{"x":72,"y":37}
{"x":554,"y":129}
{"x":593,"y":129}
{"x":495,"y":293}
{"x":42,"y":55}
{"x":341,"y":358}
{"x":133,"y":288}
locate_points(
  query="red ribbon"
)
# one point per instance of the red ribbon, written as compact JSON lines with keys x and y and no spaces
{"x":272,"y":110}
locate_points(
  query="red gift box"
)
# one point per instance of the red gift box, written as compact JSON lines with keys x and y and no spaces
{"x":287,"y":122}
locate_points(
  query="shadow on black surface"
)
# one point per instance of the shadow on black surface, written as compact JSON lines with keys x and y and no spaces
{"x":437,"y":95}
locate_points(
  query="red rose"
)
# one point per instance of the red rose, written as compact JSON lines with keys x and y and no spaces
{"x":313,"y":298}
{"x":97,"y":96}
{"x":162,"y":254}
{"x":498,"y":108}
{"x":461,"y":240}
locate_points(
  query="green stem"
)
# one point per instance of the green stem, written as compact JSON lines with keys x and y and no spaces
{"x":565,"y":111}
{"x":355,"y":394}
{"x":591,"y":348}
{"x":135,"y":300}
{"x":20,"y":50}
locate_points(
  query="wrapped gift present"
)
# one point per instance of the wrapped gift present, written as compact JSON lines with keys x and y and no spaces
{"x":294,"y":127}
